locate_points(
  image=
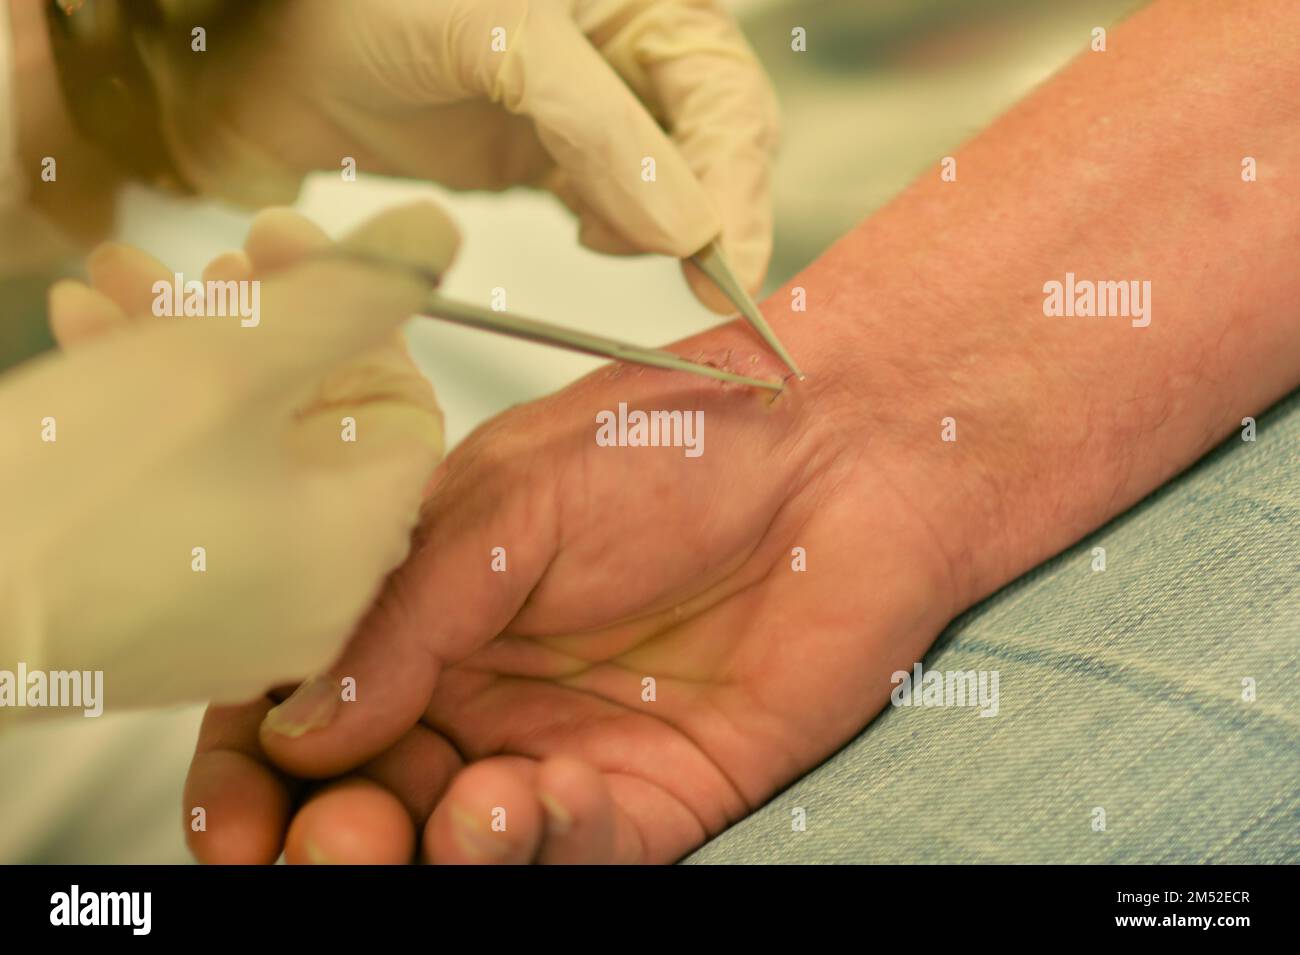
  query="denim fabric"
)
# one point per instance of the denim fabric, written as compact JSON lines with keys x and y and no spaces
{"x":1119,"y":689}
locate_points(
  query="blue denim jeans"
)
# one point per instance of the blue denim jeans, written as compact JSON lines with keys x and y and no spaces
{"x":1128,"y":726}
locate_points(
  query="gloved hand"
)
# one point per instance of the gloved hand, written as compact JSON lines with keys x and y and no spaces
{"x":574,"y":103}
{"x":184,"y":432}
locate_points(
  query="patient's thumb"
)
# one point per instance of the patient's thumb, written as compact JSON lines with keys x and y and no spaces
{"x":368,"y":699}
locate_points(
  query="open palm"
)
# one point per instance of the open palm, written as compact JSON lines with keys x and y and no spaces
{"x":601,"y":653}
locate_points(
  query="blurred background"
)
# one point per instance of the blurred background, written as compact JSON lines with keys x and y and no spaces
{"x":884,"y":90}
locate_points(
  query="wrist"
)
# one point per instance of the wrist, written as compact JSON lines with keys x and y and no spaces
{"x":1053,"y":425}
{"x":854,"y":420}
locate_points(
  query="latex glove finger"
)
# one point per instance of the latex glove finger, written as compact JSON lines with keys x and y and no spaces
{"x":127,"y":276}
{"x":229,"y":267}
{"x":412,"y":244}
{"x":593,"y":231}
{"x":279,"y":238}
{"x":80,"y":314}
{"x":399,"y":255}
{"x":419,"y":236}
{"x":316,"y":316}
{"x":621,"y":165}
{"x":691,"y":60}
{"x":121,"y":287}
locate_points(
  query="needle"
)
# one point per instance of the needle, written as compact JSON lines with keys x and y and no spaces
{"x":712,"y":263}
{"x":532,"y":330}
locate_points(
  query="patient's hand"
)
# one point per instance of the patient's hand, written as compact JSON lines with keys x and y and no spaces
{"x":522,"y":690}
{"x":647,"y":662}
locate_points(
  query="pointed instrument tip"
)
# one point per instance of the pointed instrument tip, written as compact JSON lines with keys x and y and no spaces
{"x":714,"y":264}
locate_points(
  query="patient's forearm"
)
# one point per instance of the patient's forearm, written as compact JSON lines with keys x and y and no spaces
{"x":1127,"y":166}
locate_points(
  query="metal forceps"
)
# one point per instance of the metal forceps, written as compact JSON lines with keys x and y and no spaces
{"x":710,"y":261}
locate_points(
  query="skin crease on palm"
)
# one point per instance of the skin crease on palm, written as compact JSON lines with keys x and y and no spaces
{"x":522,"y":690}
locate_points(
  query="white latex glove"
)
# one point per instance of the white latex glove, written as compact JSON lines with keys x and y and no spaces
{"x":176,"y":433}
{"x":574,"y":104}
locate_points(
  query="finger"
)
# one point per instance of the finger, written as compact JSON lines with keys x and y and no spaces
{"x":619,"y":162}
{"x":691,"y":63}
{"x":127,"y":275}
{"x":243,"y":803}
{"x":359,"y":828}
{"x":185,"y":376}
{"x":279,"y":238}
{"x":309,"y":318}
{"x":369,"y":698}
{"x":723,"y":116}
{"x":80,"y":314}
{"x":416,"y":769}
{"x":445,"y":602}
{"x":354,"y":821}
{"x":229,"y":267}
{"x":593,"y":231}
{"x":490,"y":815}
{"x":599,"y":236}
{"x":580,"y":814}
{"x":419,"y":236}
{"x":330,"y":307}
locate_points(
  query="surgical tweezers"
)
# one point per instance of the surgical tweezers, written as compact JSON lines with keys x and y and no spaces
{"x":709,"y":260}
